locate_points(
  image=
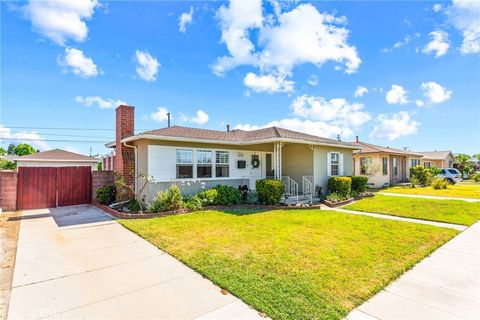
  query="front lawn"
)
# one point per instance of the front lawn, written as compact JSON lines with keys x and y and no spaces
{"x":456,"y":191}
{"x":294,"y":264}
{"x":451,"y":211}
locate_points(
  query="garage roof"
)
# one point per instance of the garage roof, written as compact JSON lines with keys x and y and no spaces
{"x":57,"y":155}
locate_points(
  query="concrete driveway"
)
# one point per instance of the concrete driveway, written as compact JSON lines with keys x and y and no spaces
{"x":75,"y":262}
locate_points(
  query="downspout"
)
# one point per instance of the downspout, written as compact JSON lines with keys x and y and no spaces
{"x":135,"y":178}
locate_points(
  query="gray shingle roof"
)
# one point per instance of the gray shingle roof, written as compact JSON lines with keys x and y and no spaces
{"x":373,"y":148}
{"x":435,"y":155}
{"x":240,"y":135}
{"x":56,"y":155}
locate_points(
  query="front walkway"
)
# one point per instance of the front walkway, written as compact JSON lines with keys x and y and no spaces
{"x":446,"y":285}
{"x":75,"y":262}
{"x":427,"y":197}
{"x":391,"y":217}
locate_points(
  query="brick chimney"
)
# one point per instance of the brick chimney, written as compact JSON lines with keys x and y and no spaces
{"x":356,"y":139}
{"x":125,"y":156}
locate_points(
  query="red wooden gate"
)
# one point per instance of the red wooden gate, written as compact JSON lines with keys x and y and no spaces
{"x":47,"y":187}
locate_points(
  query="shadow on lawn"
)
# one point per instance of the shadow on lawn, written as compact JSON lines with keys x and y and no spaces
{"x":244,"y":211}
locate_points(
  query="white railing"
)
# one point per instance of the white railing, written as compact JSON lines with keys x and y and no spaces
{"x":291,"y":187}
{"x":307,"y":184}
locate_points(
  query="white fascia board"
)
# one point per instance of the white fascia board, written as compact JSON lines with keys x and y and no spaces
{"x":168,"y":138}
{"x":55,"y":160}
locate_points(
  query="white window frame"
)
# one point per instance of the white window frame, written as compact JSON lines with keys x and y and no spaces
{"x":339,"y":164}
{"x":425,"y":164}
{"x":369,"y":162}
{"x":202,"y":161}
{"x":385,"y":166}
{"x":223,"y":163}
{"x":184,"y":163}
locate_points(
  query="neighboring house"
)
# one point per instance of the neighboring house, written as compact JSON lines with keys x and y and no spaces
{"x":383,"y":166}
{"x":175,"y":154}
{"x":439,"y":159}
{"x":55,"y":158}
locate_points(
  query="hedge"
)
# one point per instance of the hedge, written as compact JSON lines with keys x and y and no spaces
{"x":269,"y":191}
{"x":359,"y":184}
{"x":340,"y":185}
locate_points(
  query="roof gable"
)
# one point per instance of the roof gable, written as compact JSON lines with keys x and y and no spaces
{"x":373,"y":148}
{"x":237,"y":136}
{"x":56,"y":155}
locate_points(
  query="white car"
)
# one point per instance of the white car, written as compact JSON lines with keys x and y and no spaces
{"x":452,"y":175}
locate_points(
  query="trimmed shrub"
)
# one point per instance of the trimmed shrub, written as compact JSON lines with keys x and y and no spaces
{"x":133,"y":206}
{"x":439,"y":183}
{"x":193,"y":203}
{"x":476,"y":177}
{"x":420,"y":175}
{"x":252,"y":198}
{"x":269,"y":191}
{"x":340,"y":185}
{"x":359,"y":184}
{"x":106,"y":194}
{"x":208,"y":197}
{"x":228,"y":195}
{"x":167,"y":200}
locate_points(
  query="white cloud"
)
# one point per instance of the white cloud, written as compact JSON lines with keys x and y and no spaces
{"x":200,"y":118}
{"x":406,"y":40}
{"x":30,"y":137}
{"x":268,"y":83}
{"x":337,"y":111}
{"x":435,"y":92}
{"x":184,"y":20}
{"x":74,"y":60}
{"x":360,"y":91}
{"x":321,"y":117}
{"x":396,"y":95}
{"x":313,"y":80}
{"x":419,"y":103}
{"x":318,"y":128}
{"x":60,"y":20}
{"x":285,"y":39}
{"x":395,"y":126}
{"x":439,"y":43}
{"x":437,"y":7}
{"x":99,"y":101}
{"x":464,"y":15}
{"x":147,"y":66}
{"x":160,"y":115}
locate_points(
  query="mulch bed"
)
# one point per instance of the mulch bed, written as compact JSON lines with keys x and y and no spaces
{"x":123,"y":215}
{"x":344,"y":202}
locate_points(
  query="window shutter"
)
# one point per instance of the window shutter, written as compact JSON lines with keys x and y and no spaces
{"x":340,"y":164}
{"x":329,"y":166}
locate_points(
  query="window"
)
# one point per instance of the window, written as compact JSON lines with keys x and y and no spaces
{"x":395,"y":167}
{"x":204,"y":164}
{"x":334,"y":164}
{"x":453,"y":171}
{"x":222,"y":164}
{"x":184,"y":164}
{"x":414,"y":162}
{"x":384,"y":166}
{"x":427,"y":165}
{"x":443,"y":171}
{"x":365,"y":165}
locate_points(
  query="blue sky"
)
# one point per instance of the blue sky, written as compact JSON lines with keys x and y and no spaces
{"x":251,"y":64}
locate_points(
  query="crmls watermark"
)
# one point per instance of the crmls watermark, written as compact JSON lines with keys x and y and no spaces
{"x":43,"y":312}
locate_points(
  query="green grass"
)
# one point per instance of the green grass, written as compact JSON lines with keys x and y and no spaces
{"x":294,"y":264}
{"x":460,"y":190}
{"x":451,"y":211}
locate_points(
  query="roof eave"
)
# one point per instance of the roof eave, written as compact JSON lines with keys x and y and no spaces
{"x":269,"y":140}
{"x":56,"y":160}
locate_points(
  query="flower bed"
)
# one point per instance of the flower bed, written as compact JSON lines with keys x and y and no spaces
{"x":335,"y":204}
{"x":148,"y":215}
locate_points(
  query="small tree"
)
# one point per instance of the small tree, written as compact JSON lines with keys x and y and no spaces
{"x":129,"y":188}
{"x":23,"y":149}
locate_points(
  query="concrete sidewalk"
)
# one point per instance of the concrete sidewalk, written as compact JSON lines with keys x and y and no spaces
{"x":75,"y":262}
{"x":406,"y":195}
{"x":446,"y":285}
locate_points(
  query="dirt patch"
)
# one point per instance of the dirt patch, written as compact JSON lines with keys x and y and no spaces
{"x":8,"y":245}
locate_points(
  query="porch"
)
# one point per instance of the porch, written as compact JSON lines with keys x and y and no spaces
{"x":292,"y":163}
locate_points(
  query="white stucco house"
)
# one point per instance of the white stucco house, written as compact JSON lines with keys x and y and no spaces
{"x":231,"y":157}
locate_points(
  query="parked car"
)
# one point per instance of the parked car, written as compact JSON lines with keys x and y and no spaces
{"x":452,"y":175}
